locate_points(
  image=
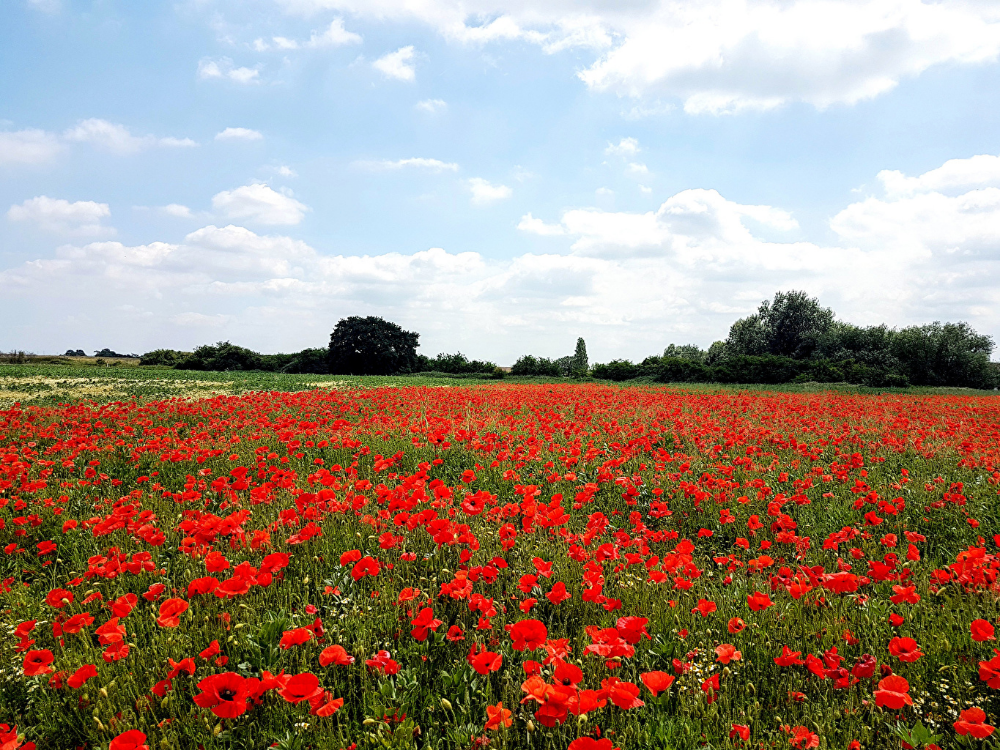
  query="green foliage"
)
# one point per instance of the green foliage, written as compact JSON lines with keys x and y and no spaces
{"x":617,"y":370}
{"x":223,"y":357}
{"x":163,"y":358}
{"x":371,"y":346}
{"x":690,"y":352}
{"x":580,"y":363}
{"x":788,"y":326}
{"x":457,"y":364}
{"x":948,"y":354}
{"x":529,"y":365}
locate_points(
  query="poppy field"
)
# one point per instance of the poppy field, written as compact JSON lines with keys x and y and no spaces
{"x":547,"y":566}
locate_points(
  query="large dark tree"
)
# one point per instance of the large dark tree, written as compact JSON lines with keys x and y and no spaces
{"x":371,"y":346}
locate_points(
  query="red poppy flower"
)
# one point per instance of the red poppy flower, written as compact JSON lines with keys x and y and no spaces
{"x":122,"y":606}
{"x":989,"y":671}
{"x":625,"y":695}
{"x":727,"y":652}
{"x":423,"y":623}
{"x":300,"y":687}
{"x":528,"y":634}
{"x":704,"y":608}
{"x":802,"y":738}
{"x":133,"y":739}
{"x":170,"y":613}
{"x":80,"y":676}
{"x":37,"y":662}
{"x":211,"y":650}
{"x":893,"y":693}
{"x":325,"y":704}
{"x":202,"y":586}
{"x":589,"y":743}
{"x":905,"y":649}
{"x":497,"y":716}
{"x":76,"y":623}
{"x":382,"y":663}
{"x":455,"y":633}
{"x":711,"y":686}
{"x":735,"y":625}
{"x":224,"y":694}
{"x":973,"y":721}
{"x":558,"y":594}
{"x":59,"y":598}
{"x":335,"y":655}
{"x":657,"y":682}
{"x":295,"y":637}
{"x":982,"y":631}
{"x":758,"y":601}
{"x":739,"y":731}
{"x":366,"y":566}
{"x":111,"y":632}
{"x":486,"y":662}
{"x":788,"y":657}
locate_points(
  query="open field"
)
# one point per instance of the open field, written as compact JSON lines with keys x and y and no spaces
{"x":399,"y":567}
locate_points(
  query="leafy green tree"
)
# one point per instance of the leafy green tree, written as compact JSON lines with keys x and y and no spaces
{"x":371,"y":346}
{"x":529,"y":365}
{"x":163,"y":357}
{"x":945,"y":354}
{"x":308,"y":361}
{"x":787,"y":326}
{"x":690,"y":352}
{"x":616,"y":369}
{"x":580,"y":364}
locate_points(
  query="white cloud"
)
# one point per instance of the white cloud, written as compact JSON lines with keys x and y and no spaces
{"x":260,"y":204}
{"x":629,"y":282}
{"x":334,"y":35}
{"x":433,"y":106}
{"x":720,"y":56}
{"x":239,"y":134}
{"x":178,"y":211}
{"x":117,"y":138}
{"x":975,"y":171}
{"x":398,"y":64}
{"x":484,"y":192}
{"x":435,"y":165}
{"x":31,"y":146}
{"x":637,"y":168}
{"x":224,"y":68}
{"x":624,"y":147}
{"x":532,"y":225}
{"x":286,"y":171}
{"x":57,"y":215}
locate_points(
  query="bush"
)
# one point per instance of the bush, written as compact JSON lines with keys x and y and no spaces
{"x":308,"y":361}
{"x":456,"y":364}
{"x":529,"y":365}
{"x":617,"y":370}
{"x":222,"y":357}
{"x":163,"y":358}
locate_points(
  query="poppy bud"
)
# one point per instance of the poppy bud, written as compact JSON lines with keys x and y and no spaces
{"x":582,"y":718}
{"x":164,"y":744}
{"x":531,"y":726}
{"x":885,"y":670}
{"x":217,"y":730}
{"x":104,"y":692}
{"x":305,"y":580}
{"x":100,"y":726}
{"x":446,"y":704}
{"x":368,"y":722}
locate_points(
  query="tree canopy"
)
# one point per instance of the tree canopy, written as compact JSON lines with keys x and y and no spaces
{"x":371,"y":346}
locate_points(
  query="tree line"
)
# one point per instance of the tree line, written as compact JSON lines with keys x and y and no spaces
{"x":791,"y":338}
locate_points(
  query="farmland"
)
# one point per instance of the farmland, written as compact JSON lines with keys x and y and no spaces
{"x":207,"y":560}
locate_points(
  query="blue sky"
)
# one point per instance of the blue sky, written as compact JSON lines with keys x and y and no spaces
{"x":497,"y":176}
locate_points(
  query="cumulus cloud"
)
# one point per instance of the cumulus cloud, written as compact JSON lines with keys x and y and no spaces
{"x":61,"y":216}
{"x":118,"y":139}
{"x":624,"y":147}
{"x":435,"y":165}
{"x":178,"y":211}
{"x":31,"y":146}
{"x":260,"y":204}
{"x":398,"y":64}
{"x":983,"y":169}
{"x":224,"y":68}
{"x":719,"y":56}
{"x":334,"y":35}
{"x":239,"y":134}
{"x":629,"y":282}
{"x":484,"y":192}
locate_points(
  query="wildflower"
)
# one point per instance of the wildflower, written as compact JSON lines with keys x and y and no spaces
{"x":788,"y":657}
{"x":727,"y":652}
{"x":224,"y":694}
{"x":657,"y":682}
{"x":740,"y":731}
{"x":758,"y":601}
{"x":37,"y":663}
{"x":497,"y":716}
{"x":80,"y":676}
{"x":170,"y":612}
{"x":133,"y":739}
{"x":335,"y":655}
{"x":528,"y":634}
{"x":905,"y":649}
{"x":972,"y":721}
{"x":893,"y":692}
{"x":982,"y":631}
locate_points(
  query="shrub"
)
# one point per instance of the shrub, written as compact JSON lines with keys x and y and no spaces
{"x":221,"y":357}
{"x":529,"y":365}
{"x":617,"y":370}
{"x":163,"y":358}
